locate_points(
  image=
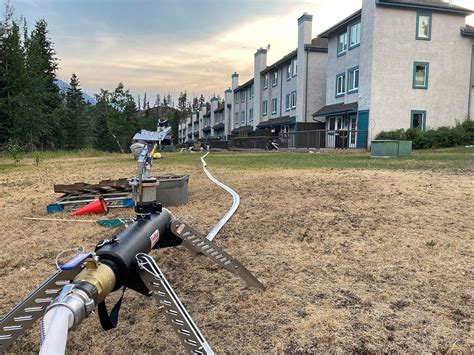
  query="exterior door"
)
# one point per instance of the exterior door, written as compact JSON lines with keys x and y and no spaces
{"x":362,"y":128}
{"x":352,"y":131}
{"x":331,"y":123}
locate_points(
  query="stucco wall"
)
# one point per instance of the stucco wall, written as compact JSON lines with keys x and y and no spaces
{"x":316,"y":85}
{"x":396,"y":50}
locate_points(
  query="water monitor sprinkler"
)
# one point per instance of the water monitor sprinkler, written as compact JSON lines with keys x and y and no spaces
{"x":83,"y":284}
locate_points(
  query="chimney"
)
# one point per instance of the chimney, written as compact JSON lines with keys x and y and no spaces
{"x":305,"y":27}
{"x":235,"y":81}
{"x":260,"y":61}
{"x":305,"y":24}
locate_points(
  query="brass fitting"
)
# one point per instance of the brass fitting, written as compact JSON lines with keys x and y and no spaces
{"x":99,"y":275}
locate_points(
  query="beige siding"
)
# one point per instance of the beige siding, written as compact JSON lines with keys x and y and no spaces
{"x":395,"y":51}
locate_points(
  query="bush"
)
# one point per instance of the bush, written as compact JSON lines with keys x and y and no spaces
{"x":442,"y":137}
{"x":14,"y":150}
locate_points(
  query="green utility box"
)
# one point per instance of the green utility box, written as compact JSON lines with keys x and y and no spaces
{"x":172,"y":190}
{"x":390,"y":148}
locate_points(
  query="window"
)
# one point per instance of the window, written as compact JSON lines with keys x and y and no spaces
{"x":265,"y":81}
{"x":242,"y":117}
{"x":342,"y":44}
{"x":352,"y":80}
{"x":275,"y":78}
{"x":251,"y":91}
{"x":354,"y":40}
{"x":251,"y":115}
{"x":295,"y":67}
{"x":340,"y":85}
{"x":288,"y":72}
{"x":423,"y":26}
{"x":418,"y":120}
{"x":274,"y":106}
{"x":265,"y":108}
{"x":236,"y":117}
{"x":242,"y":96}
{"x":293,"y":99}
{"x":236,"y":97}
{"x":287,"y":103}
{"x":420,"y":75}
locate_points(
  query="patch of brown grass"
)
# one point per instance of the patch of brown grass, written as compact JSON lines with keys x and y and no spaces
{"x":354,"y":261}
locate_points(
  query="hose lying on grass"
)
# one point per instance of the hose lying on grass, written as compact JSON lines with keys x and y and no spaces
{"x":235,"y":202}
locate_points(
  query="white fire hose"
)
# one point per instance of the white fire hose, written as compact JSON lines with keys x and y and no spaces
{"x":235,"y":201}
{"x":55,"y":326}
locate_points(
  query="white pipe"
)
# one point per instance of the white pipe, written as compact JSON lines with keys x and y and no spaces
{"x":235,"y":202}
{"x":55,"y":325}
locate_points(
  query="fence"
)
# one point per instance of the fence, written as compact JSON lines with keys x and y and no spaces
{"x":316,"y":139}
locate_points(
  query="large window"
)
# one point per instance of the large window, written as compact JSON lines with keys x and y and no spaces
{"x":251,"y":115}
{"x":242,"y":117}
{"x":418,"y":119}
{"x":288,"y":72}
{"x":274,"y":106}
{"x":275,"y":78}
{"x":242,"y":96}
{"x":342,"y":44}
{"x":265,"y":108}
{"x":354,"y":35}
{"x":293,"y":99}
{"x":423,"y":26}
{"x":287,"y":102}
{"x":340,"y":85}
{"x":236,"y":117}
{"x":265,"y":81}
{"x":421,"y":72}
{"x":353,"y":80}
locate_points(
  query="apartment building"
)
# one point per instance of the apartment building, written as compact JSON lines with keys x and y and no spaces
{"x":282,"y":97}
{"x":398,"y":64}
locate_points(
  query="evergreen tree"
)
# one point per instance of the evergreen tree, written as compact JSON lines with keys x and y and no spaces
{"x":195,"y":104}
{"x":76,"y":123}
{"x":157,"y":100}
{"x":41,"y":89}
{"x":144,"y":102}
{"x":201,"y":101}
{"x":182,"y":101}
{"x":103,"y":139}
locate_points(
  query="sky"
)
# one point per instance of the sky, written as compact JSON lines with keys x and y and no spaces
{"x":175,"y":45}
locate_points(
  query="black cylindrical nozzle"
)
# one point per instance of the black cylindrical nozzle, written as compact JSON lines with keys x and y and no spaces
{"x":140,"y":237}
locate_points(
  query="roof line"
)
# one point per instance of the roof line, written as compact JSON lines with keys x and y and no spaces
{"x":345,"y":21}
{"x":441,"y":7}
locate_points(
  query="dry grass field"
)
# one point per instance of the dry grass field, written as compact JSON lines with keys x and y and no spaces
{"x":355,"y":260}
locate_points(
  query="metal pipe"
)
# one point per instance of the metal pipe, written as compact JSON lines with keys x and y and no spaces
{"x":235,"y":201}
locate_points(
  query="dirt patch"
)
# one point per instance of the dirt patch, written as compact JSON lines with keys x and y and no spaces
{"x":354,"y":261}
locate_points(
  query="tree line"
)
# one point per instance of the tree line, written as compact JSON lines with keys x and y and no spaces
{"x":36,"y":115}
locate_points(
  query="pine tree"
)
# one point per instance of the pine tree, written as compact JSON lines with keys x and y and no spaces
{"x":42,"y":91}
{"x":144,"y":102}
{"x":182,"y":100}
{"x":202,"y":101}
{"x":195,"y":104}
{"x":157,"y":100}
{"x":76,"y":123}
{"x":102,"y":138}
